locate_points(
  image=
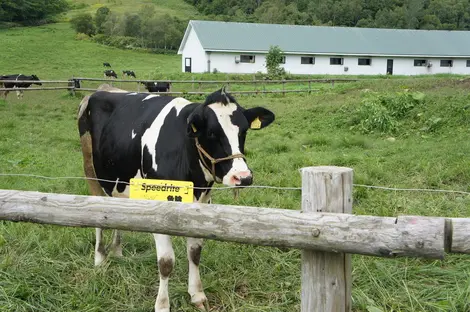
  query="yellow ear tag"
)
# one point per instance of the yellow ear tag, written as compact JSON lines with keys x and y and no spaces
{"x":256,"y":124}
{"x":194,"y":128}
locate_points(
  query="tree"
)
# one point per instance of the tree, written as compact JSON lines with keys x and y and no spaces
{"x":273,"y":62}
{"x":100,"y":18}
{"x":83,"y":23}
{"x":30,"y":12}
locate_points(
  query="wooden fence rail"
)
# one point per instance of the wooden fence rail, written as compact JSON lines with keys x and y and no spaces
{"x":223,"y":81}
{"x":324,"y":229}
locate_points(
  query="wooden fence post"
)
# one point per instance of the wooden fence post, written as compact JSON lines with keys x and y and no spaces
{"x":326,"y":277}
{"x":283,"y":87}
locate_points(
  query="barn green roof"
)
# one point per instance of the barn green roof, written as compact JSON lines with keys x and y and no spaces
{"x":296,"y":39}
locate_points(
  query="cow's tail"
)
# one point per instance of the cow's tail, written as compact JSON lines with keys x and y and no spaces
{"x":84,"y":128}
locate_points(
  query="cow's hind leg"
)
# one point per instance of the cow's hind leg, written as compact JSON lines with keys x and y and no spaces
{"x":195,"y":290}
{"x":116,"y":249}
{"x":100,"y":251}
{"x":166,"y":262}
{"x":94,"y":186}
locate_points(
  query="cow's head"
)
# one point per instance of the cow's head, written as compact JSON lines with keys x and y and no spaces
{"x":34,"y":77}
{"x":220,"y":127}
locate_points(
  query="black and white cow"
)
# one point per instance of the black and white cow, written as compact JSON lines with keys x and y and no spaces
{"x":157,"y":86}
{"x":18,"y":77}
{"x":110,"y":73}
{"x":127,"y":134}
{"x":128,"y":73}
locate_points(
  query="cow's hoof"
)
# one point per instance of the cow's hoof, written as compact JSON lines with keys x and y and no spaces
{"x":116,"y":252}
{"x":200,"y":301}
{"x":99,"y":258}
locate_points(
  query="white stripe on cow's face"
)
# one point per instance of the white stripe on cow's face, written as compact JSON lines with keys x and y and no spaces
{"x":239,"y":167}
{"x":150,"y":136}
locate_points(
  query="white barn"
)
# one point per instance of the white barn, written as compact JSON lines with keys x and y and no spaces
{"x":242,"y":47}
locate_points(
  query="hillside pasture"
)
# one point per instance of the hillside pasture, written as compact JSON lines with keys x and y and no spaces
{"x":50,"y":268}
{"x":177,"y":8}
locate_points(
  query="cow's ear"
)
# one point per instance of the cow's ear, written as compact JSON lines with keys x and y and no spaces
{"x":195,"y":124}
{"x":259,"y":117}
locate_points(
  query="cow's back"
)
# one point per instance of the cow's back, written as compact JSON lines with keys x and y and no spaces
{"x":115,"y":123}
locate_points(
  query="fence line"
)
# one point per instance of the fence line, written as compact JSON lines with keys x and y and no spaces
{"x":402,"y":236}
{"x":225,"y":81}
{"x":288,"y":188}
{"x":72,"y":88}
{"x":324,"y":229}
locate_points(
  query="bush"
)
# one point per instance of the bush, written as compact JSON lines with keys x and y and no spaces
{"x":372,"y":116}
{"x":83,"y":23}
{"x":382,"y":113}
{"x":82,"y":36}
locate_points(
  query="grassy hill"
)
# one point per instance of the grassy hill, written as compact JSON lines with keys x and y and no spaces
{"x":51,"y":52}
{"x":177,"y":8}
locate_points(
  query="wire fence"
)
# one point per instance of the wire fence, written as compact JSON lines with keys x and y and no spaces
{"x":283,"y":188}
{"x":196,"y":86}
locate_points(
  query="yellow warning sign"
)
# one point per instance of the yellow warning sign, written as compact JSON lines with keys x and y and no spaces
{"x":162,"y":190}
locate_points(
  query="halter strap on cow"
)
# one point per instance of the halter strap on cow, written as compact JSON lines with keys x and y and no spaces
{"x":202,"y":152}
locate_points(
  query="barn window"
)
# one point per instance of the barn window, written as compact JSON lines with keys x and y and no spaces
{"x":283,"y":59}
{"x":446,"y":63}
{"x":245,"y":58}
{"x":336,"y":61}
{"x":307,"y":60}
{"x":468,"y":63}
{"x":364,"y":61}
{"x":420,"y":62}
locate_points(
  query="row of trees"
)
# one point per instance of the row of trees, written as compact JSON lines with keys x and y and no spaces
{"x":144,"y":29}
{"x":412,"y":14}
{"x":31,"y":12}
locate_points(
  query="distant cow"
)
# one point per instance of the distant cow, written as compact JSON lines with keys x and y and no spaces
{"x":106,"y":64}
{"x":18,"y":77}
{"x":128,"y":73}
{"x":127,"y":135}
{"x":110,"y":73}
{"x":74,"y":83}
{"x":157,"y":86}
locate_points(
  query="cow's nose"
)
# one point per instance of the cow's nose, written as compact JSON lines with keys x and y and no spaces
{"x":245,"y":181}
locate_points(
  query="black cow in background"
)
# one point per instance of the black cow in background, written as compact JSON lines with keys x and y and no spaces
{"x":128,"y":73}
{"x":157,"y":86}
{"x":18,"y":77}
{"x":106,"y":64}
{"x":110,"y":73}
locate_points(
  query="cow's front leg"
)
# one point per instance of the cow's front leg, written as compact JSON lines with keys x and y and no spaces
{"x":195,"y":290}
{"x":166,"y":262}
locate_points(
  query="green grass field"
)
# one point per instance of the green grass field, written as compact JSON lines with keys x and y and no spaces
{"x":177,"y":8}
{"x":50,"y":268}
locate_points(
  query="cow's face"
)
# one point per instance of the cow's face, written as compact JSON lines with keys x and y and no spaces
{"x":34,"y":77}
{"x":221,"y":125}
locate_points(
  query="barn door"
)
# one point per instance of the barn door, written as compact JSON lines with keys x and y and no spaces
{"x":390,"y":67}
{"x":187,"y":65}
